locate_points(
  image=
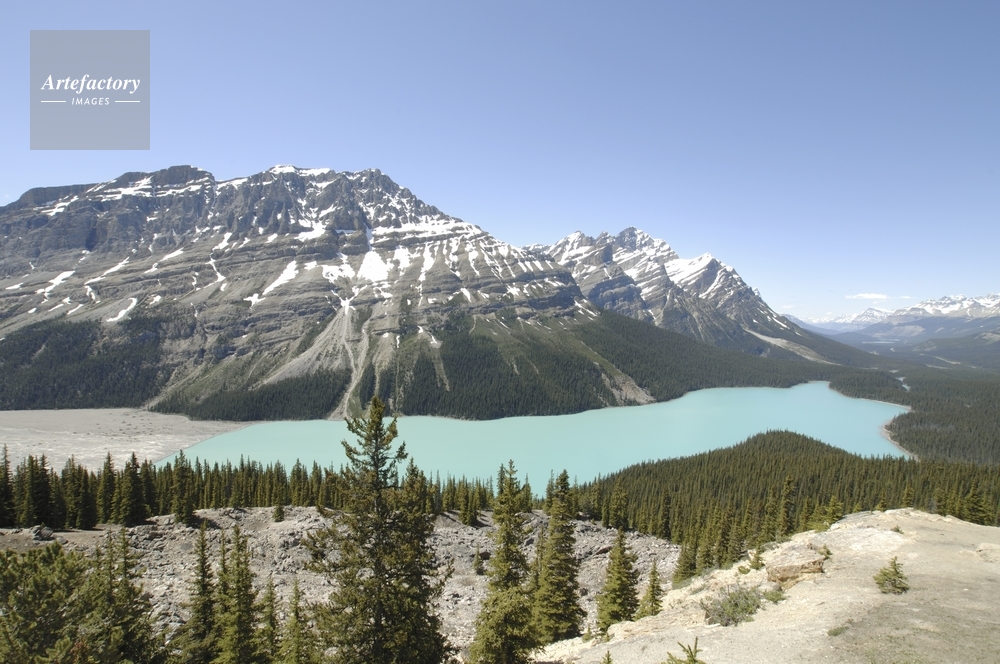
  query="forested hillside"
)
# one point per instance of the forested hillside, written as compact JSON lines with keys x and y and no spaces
{"x":953,"y":416}
{"x":59,"y":364}
{"x":474,"y":373}
{"x":719,"y":503}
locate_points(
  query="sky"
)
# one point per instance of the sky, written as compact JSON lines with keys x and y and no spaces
{"x":838,"y":155}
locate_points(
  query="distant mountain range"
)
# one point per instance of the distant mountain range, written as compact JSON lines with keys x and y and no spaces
{"x":193,"y":293}
{"x":845,"y":323}
{"x":945,"y":332}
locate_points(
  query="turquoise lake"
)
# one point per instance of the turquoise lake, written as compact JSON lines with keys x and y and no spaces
{"x":586,"y":444}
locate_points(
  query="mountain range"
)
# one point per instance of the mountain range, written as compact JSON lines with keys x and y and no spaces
{"x":944,"y":332}
{"x":195,"y":294}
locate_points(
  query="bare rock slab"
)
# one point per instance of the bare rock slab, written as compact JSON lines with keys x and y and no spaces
{"x":789,"y":565}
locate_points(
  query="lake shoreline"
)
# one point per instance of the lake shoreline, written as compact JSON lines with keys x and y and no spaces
{"x":586,"y":444}
{"x":89,"y":434}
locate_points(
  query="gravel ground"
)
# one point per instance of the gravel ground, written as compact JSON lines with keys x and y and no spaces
{"x":89,"y":434}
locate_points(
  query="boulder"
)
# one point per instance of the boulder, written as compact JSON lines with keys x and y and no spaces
{"x":41,"y":533}
{"x":787,"y":566}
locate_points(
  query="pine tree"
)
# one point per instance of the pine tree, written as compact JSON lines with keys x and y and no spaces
{"x":505,"y":633}
{"x":196,"y":639}
{"x":40,"y":602}
{"x":238,"y":612}
{"x":128,"y":506}
{"x":106,"y":491}
{"x":557,"y":607}
{"x":6,"y":493}
{"x":890,"y":579}
{"x":974,"y":509}
{"x":379,"y":557}
{"x":690,"y":655}
{"x":298,"y":640}
{"x":617,"y":600}
{"x":834,"y":510}
{"x":907,"y":499}
{"x":687,"y":564}
{"x":784,"y":522}
{"x":618,"y":511}
{"x":118,"y":627}
{"x":147,"y":478}
{"x":183,"y":490}
{"x":469,"y":500}
{"x":269,"y":631}
{"x":535,"y":576}
{"x":32,"y":496}
{"x":663,"y":524}
{"x":650,"y":603}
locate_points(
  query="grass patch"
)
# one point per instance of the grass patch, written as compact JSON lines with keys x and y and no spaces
{"x":774,"y":596}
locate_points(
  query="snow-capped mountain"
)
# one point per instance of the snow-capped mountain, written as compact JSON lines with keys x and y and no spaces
{"x":289,"y":272}
{"x":260,"y":240}
{"x":643,"y":277}
{"x":953,"y":317}
{"x":849,"y":322}
{"x":954,"y":306}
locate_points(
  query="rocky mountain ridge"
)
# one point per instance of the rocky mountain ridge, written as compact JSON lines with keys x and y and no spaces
{"x":950,"y":306}
{"x":643,"y":277}
{"x":260,"y":280}
{"x":948,"y":332}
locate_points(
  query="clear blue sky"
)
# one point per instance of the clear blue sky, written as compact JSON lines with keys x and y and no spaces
{"x":824,"y":150}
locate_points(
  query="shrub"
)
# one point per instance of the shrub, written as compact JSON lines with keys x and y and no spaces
{"x":890,"y":579}
{"x":732,"y":606}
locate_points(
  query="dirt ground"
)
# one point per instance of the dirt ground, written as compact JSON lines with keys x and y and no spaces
{"x":89,"y":434}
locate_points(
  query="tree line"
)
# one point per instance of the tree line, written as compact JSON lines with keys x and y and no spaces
{"x":307,"y":397}
{"x":720,"y":505}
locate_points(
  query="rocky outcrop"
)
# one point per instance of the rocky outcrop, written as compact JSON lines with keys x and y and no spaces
{"x":791,"y":564}
{"x":838,"y":616}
